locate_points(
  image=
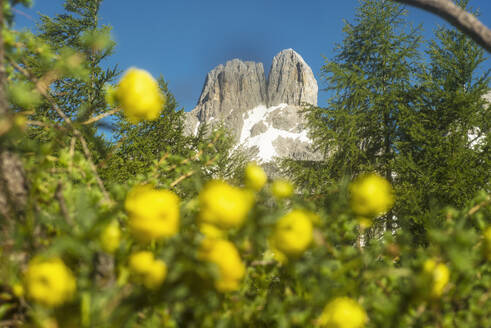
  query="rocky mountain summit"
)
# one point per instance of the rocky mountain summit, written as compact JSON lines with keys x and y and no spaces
{"x":263,"y":115}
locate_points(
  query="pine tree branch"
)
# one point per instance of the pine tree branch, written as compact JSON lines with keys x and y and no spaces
{"x":44,"y":92}
{"x":461,"y":19}
{"x":477,"y":207}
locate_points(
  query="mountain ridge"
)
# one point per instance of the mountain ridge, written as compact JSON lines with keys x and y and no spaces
{"x":238,"y":92}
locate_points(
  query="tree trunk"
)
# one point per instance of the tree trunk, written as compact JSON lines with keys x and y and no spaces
{"x":13,"y":186}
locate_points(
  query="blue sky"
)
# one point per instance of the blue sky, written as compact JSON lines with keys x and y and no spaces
{"x":184,"y":39}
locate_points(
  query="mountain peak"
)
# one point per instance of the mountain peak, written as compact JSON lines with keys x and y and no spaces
{"x":291,"y":80}
{"x":262,"y":114}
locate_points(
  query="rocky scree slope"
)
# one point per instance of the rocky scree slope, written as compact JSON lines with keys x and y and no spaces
{"x":263,"y":115}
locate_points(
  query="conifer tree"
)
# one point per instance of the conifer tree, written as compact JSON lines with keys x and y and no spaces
{"x":444,"y":155}
{"x":137,"y":147}
{"x":370,"y":77}
{"x":79,"y":30}
{"x":369,"y":80}
{"x":79,"y":34}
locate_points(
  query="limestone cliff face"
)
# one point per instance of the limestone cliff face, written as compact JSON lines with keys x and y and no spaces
{"x":229,"y":91}
{"x":291,"y":80}
{"x":262,"y":114}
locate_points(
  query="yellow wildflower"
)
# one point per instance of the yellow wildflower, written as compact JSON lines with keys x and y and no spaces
{"x":48,"y":323}
{"x":371,"y":196}
{"x":225,"y":256}
{"x":139,"y":96}
{"x":487,"y":243}
{"x":439,"y":275}
{"x":255,"y":177}
{"x":342,"y":312}
{"x":18,"y":290}
{"x":147,"y":270}
{"x":223,"y":205}
{"x":20,"y":121}
{"x":153,"y":214}
{"x":281,"y":189}
{"x":49,"y":282}
{"x":110,"y":237}
{"x":293,"y":234}
{"x":364,"y":223}
{"x":210,"y":231}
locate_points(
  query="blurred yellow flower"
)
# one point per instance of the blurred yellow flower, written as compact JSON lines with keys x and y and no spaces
{"x":342,"y":312}
{"x":18,"y":290}
{"x":371,"y":196}
{"x":210,"y":231}
{"x":49,"y":282}
{"x":292,"y":235}
{"x":139,"y":96}
{"x":110,"y":237}
{"x":255,"y":177}
{"x":364,"y":223}
{"x":281,"y":189}
{"x":487,"y":243}
{"x":439,"y":275}
{"x":153,"y":214}
{"x":223,"y":205}
{"x":20,"y":121}
{"x":225,"y":256}
{"x":147,"y":270}
{"x":48,"y":323}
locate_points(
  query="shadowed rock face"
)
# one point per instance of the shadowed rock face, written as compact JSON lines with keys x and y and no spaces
{"x":229,"y":91}
{"x":291,"y":80}
{"x":238,"y":96}
{"x":235,"y":87}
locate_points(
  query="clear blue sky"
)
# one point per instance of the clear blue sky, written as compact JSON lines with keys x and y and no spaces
{"x":184,"y":39}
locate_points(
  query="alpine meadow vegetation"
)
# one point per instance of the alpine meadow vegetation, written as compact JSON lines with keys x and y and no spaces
{"x":154,"y":228}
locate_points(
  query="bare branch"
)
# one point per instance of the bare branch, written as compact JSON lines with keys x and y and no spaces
{"x":461,"y":19}
{"x":477,"y":207}
{"x":61,"y":201}
{"x":181,"y":178}
{"x":101,"y":116}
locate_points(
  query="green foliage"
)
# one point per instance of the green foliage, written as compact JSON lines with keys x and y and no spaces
{"x":444,"y":156}
{"x":139,"y":148}
{"x":79,"y":31}
{"x":392,"y":113}
{"x":76,"y":43}
{"x":384,"y":276}
{"x":368,"y":79}
{"x":75,"y":192}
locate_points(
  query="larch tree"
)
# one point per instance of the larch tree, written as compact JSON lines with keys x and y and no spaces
{"x":444,"y":156}
{"x":369,"y":81}
{"x":77,"y":34}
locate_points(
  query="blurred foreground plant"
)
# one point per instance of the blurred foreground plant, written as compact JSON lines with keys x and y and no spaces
{"x":178,"y":246}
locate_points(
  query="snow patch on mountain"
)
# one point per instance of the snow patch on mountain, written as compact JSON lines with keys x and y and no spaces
{"x":476,"y":138}
{"x":265,"y":141}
